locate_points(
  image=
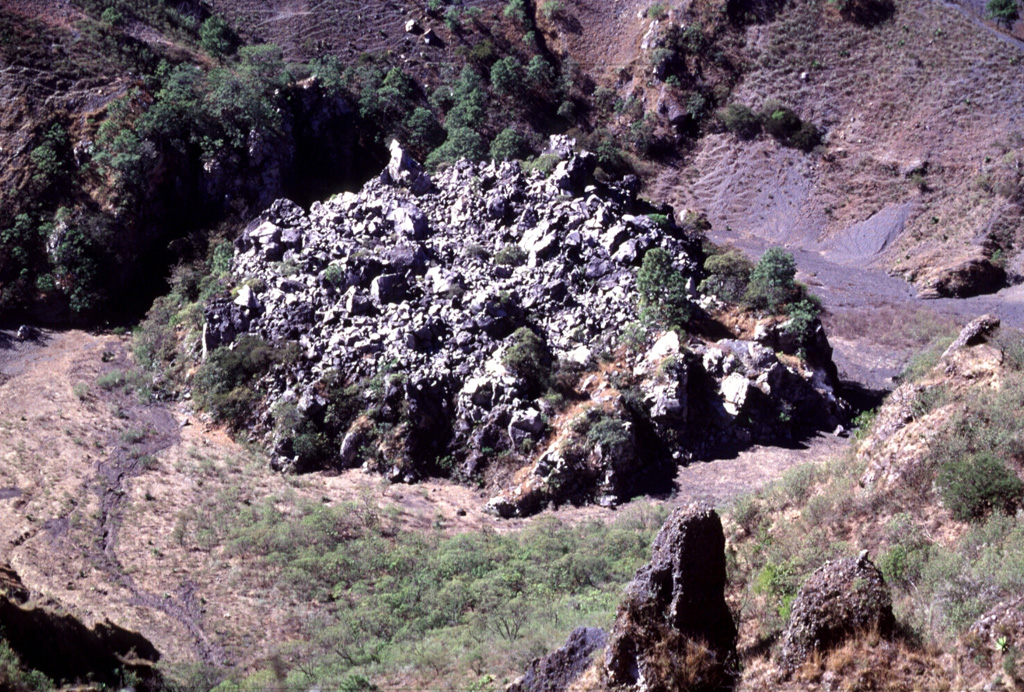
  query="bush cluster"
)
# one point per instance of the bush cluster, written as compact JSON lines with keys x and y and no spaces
{"x":444,"y":605}
{"x":777,"y":120}
{"x":529,"y":359}
{"x":224,"y":384}
{"x":978,"y":485}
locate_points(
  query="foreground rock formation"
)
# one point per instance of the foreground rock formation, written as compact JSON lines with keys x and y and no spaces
{"x":65,"y":650}
{"x":842,"y":598}
{"x":674,"y":629}
{"x":559,"y":669}
{"x":409,"y":299}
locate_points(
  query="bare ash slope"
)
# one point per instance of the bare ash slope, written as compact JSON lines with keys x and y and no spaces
{"x":111,"y":509}
{"x":928,"y":91}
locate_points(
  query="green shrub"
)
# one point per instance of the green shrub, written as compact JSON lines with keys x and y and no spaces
{"x":728,"y":274}
{"x":112,"y":17}
{"x":539,"y":72}
{"x":785,"y":125}
{"x":223,"y":384}
{"x":740,"y":120}
{"x":528,"y":358}
{"x":607,"y":432}
{"x":516,"y":11}
{"x":805,"y":138}
{"x":545,"y":163}
{"x":510,"y":255}
{"x":1005,"y":12}
{"x":453,"y":19}
{"x":772,"y":281}
{"x":507,"y":76}
{"x":53,"y":158}
{"x":552,"y":8}
{"x":462,"y":143}
{"x":15,"y":677}
{"x":662,"y":289}
{"x":468,"y":101}
{"x":424,"y":132}
{"x":977,"y":485}
{"x":657,"y":11}
{"x":802,"y":315}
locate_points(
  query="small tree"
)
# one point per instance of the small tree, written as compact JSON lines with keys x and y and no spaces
{"x":112,"y":17}
{"x":539,"y":72}
{"x":728,"y":275}
{"x":507,"y":76}
{"x":508,"y":145}
{"x":772,"y":283}
{"x":462,"y":143}
{"x":662,"y":289}
{"x":529,"y":359}
{"x":1003,"y":11}
{"x":215,"y":36}
{"x":516,"y":11}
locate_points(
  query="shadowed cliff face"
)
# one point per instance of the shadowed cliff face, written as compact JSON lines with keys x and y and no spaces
{"x":61,"y":647}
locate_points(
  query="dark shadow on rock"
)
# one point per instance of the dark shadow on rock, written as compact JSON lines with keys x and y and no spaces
{"x":61,"y":647}
{"x":559,"y":669}
{"x":760,"y":648}
{"x":869,"y":13}
{"x":861,"y":397}
{"x":569,"y":24}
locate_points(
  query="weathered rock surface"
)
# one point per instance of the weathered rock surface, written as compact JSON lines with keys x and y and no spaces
{"x":906,"y":427}
{"x":973,"y":332}
{"x":677,"y":598}
{"x":973,"y":276}
{"x":559,"y":669}
{"x":404,"y":297}
{"x":842,"y":598}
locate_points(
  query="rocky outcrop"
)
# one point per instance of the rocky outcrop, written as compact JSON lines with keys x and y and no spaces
{"x":842,"y":598}
{"x":907,"y":425}
{"x":675,"y":608}
{"x":975,"y":275}
{"x":405,"y":297}
{"x":976,"y":331}
{"x":559,"y":669}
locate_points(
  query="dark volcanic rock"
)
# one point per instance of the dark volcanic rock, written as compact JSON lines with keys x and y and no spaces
{"x":559,"y":669}
{"x":676,"y":600}
{"x":841,"y":598}
{"x":427,"y":279}
{"x":972,"y":277}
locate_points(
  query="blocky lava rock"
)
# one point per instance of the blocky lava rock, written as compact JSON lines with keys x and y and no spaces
{"x":676,"y":600}
{"x":559,"y":669}
{"x":842,"y":597}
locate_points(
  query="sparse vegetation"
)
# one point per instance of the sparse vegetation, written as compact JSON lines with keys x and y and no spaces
{"x":504,"y":597}
{"x":974,"y":487}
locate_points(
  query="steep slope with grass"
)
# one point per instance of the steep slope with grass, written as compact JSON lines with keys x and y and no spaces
{"x":930,"y":491}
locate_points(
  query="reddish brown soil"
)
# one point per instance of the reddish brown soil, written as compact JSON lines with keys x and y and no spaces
{"x":104,"y":501}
